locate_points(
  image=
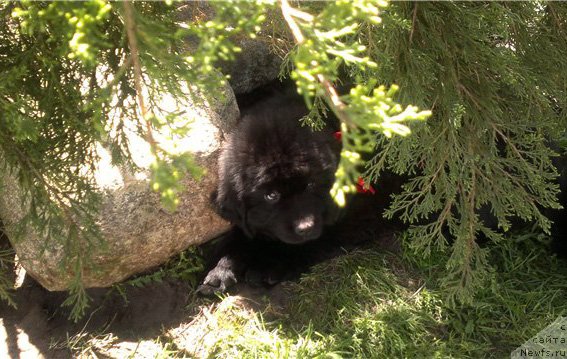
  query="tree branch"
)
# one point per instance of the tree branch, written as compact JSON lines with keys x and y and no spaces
{"x":414,"y":16}
{"x":133,"y":45}
{"x":331,"y":96}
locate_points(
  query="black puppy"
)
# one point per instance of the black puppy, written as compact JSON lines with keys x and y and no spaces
{"x":274,"y":181}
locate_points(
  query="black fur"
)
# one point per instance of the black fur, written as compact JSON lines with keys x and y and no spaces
{"x":559,"y":217}
{"x":274,"y":181}
{"x":274,"y":240}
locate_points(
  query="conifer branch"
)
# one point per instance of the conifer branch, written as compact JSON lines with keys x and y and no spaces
{"x":135,"y":59}
{"x":413,"y":21}
{"x":331,"y":95}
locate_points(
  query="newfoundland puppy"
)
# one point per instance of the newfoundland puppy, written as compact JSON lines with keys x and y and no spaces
{"x":274,"y":181}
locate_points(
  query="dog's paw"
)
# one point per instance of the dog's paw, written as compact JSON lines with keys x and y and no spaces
{"x":218,"y":280}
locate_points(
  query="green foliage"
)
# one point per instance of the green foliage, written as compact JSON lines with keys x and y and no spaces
{"x":197,"y":68}
{"x":325,"y":44}
{"x":6,"y":268}
{"x":496,"y":92}
{"x":522,"y":297}
{"x":368,"y":312}
{"x":77,"y":299}
{"x":231,"y":18}
{"x":374,"y":113}
{"x":70,"y":83}
{"x":377,"y":304}
{"x":75,"y":28}
{"x":167,"y":175}
{"x":183,"y":267}
{"x":77,"y":74}
{"x":44,"y":134}
{"x":74,"y":74}
{"x":322,"y":49}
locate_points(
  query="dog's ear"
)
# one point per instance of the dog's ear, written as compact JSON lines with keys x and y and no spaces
{"x":227,"y":205}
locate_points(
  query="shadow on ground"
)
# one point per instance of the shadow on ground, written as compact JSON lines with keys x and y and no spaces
{"x":40,"y":325}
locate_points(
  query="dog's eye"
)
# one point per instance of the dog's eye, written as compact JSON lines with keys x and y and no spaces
{"x":273,"y":196}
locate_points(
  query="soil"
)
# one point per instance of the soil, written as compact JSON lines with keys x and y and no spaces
{"x":40,"y":326}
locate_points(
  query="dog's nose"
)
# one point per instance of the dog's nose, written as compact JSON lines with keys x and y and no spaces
{"x":304,"y":227}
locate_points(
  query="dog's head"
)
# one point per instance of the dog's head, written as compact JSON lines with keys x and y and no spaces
{"x":275,"y":177}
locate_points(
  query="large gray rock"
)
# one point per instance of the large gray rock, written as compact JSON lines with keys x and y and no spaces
{"x":138,"y":233}
{"x":254,"y":66}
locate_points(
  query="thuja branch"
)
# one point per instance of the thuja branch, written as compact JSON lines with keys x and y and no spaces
{"x":324,"y":45}
{"x":133,"y":45}
{"x":331,"y":94}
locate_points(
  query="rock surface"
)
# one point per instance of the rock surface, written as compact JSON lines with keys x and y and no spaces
{"x":253,"y":67}
{"x":139,"y":234}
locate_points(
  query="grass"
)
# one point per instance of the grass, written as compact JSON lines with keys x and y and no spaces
{"x":366,"y":304}
{"x":369,"y":304}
